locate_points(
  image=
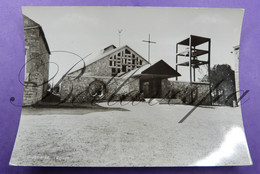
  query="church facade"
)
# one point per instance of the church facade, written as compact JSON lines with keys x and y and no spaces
{"x":115,"y":74}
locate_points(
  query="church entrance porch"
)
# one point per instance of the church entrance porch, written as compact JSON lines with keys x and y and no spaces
{"x":151,"y":88}
{"x":151,"y":79}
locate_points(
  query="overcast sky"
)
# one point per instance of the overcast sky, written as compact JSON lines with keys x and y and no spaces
{"x":85,"y":30}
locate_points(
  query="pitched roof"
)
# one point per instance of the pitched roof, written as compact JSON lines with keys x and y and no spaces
{"x":136,"y":72}
{"x":160,"y":69}
{"x":31,"y":24}
{"x":103,"y":53}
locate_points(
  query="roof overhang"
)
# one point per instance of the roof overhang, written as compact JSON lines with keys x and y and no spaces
{"x":195,"y":41}
{"x":159,"y":70}
{"x":153,"y":76}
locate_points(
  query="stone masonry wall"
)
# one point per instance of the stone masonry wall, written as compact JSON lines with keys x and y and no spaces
{"x":98,"y":68}
{"x":37,"y":62}
{"x":32,"y":93}
{"x":79,"y":89}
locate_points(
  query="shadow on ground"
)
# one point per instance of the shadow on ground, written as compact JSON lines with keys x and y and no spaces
{"x":67,"y":109}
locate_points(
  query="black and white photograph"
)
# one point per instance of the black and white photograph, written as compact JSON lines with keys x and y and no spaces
{"x":131,"y":87}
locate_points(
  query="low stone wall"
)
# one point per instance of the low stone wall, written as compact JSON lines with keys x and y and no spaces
{"x":85,"y":88}
{"x":185,"y":91}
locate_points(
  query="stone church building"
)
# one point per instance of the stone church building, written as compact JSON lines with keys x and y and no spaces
{"x":36,"y":66}
{"x":116,"y":73}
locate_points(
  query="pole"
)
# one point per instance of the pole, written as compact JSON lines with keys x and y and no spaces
{"x":119,"y":38}
{"x":149,"y":42}
{"x":177,"y":60}
{"x":209,"y":74}
{"x":190,"y":50}
{"x":149,"y":49}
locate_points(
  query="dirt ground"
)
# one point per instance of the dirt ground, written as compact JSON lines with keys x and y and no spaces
{"x":140,"y":135}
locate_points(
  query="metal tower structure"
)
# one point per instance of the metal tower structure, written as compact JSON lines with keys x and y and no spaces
{"x":193,"y":54}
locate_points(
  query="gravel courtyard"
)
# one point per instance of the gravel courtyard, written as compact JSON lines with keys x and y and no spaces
{"x":140,"y":135}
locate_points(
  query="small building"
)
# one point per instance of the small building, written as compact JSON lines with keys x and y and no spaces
{"x":152,"y":78}
{"x":36,"y":66}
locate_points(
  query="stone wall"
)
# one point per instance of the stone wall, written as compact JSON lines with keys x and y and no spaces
{"x":36,"y":61}
{"x":44,"y":66}
{"x":188,"y":93}
{"x":32,"y":93}
{"x":100,"y":71}
{"x":98,"y":68}
{"x":80,"y":90}
{"x":102,"y":67}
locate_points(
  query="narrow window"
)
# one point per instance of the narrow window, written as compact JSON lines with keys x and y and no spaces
{"x":124,"y":68}
{"x":113,"y":71}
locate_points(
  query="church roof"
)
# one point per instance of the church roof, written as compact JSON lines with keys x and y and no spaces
{"x":136,"y":72}
{"x":103,"y":53}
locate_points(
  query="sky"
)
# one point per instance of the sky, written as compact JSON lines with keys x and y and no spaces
{"x":86,"y":30}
